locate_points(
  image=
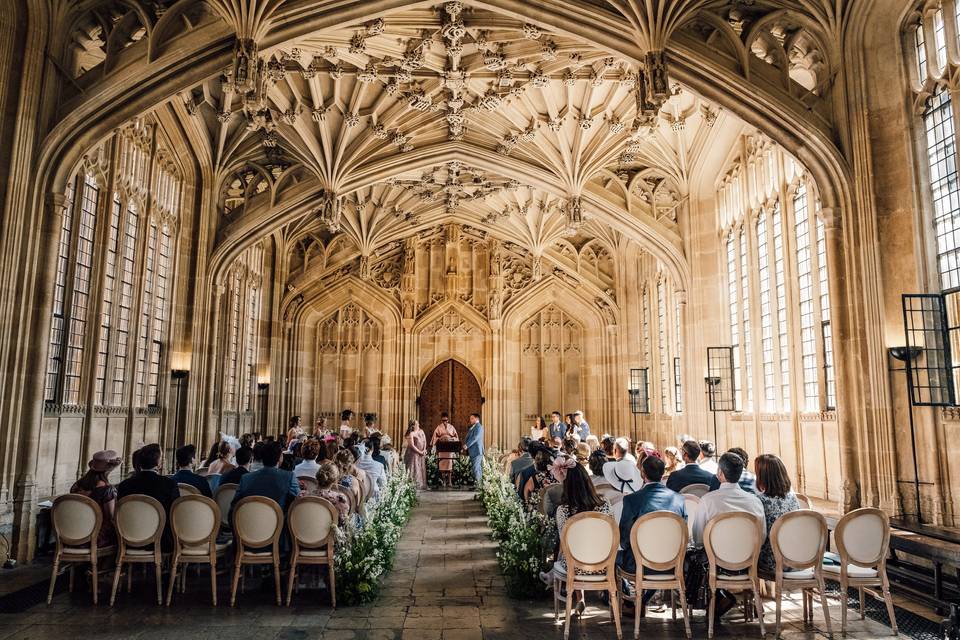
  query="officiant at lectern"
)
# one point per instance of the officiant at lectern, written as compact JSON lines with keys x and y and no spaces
{"x":445,"y":432}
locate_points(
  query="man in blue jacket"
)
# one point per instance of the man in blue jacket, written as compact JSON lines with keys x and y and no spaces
{"x":278,"y":485}
{"x":692,"y":473}
{"x":474,"y":445}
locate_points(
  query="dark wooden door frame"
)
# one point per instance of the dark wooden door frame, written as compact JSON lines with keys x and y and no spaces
{"x":456,"y":400}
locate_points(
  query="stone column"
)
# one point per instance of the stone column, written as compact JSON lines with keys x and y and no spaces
{"x":24,"y":500}
{"x":845,"y":359}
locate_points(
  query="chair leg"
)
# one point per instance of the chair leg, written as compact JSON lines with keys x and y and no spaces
{"x":213,"y":581}
{"x":759,"y":604}
{"x":70,"y":586}
{"x":826,"y":608}
{"x":158,"y":571}
{"x":843,"y":608}
{"x":637,"y":604}
{"x":116,"y":582}
{"x":673,"y":604}
{"x":710,"y":609}
{"x":778,"y":595}
{"x":293,"y":574}
{"x":333,"y":585}
{"x":686,"y":609}
{"x":130,"y":579}
{"x":236,"y":579}
{"x":863,"y":612}
{"x":276,"y":581}
{"x":53,"y":578}
{"x":94,"y":577}
{"x":568,"y":608}
{"x":615,"y":606}
{"x":885,"y":585}
{"x":173,"y":579}
{"x":556,"y":601}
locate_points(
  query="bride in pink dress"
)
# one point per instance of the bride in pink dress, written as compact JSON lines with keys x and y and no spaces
{"x":415,"y":454}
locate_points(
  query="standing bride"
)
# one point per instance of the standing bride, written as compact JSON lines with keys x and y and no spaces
{"x":413,"y":457}
{"x":445,"y":432}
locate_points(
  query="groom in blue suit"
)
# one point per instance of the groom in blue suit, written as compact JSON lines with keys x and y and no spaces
{"x":474,"y":445}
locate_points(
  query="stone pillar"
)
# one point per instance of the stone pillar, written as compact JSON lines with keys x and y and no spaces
{"x":25,"y":488}
{"x":844,"y":359}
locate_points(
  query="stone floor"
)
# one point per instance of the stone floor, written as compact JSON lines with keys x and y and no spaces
{"x":445,"y":585}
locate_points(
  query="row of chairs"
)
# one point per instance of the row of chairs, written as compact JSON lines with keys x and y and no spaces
{"x":732,"y":542}
{"x":195,"y":522}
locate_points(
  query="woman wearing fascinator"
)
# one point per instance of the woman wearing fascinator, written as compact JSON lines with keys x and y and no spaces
{"x":95,"y":484}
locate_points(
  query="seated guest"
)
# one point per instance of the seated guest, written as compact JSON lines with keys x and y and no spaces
{"x":185,"y":474}
{"x":222,"y":464}
{"x":729,"y":497}
{"x":328,"y":475}
{"x":244,"y":456}
{"x":583,"y":455}
{"x":692,"y":473}
{"x":748,"y":481}
{"x":621,"y":450}
{"x":371,"y":467}
{"x":776,"y":497}
{"x":593,"y":442}
{"x":348,"y":478}
{"x":95,"y":484}
{"x":653,"y":496}
{"x":624,"y":479}
{"x":595,"y":462}
{"x":524,"y":460}
{"x":578,"y":497}
{"x":569,"y":445}
{"x":257,"y":463}
{"x":309,"y":452}
{"x":270,"y":482}
{"x":606,"y":445}
{"x":530,"y":470}
{"x":150,"y":482}
{"x":708,"y":456}
{"x":376,"y":452}
{"x":673,"y":461}
{"x":539,"y":480}
{"x":211,"y":456}
{"x":389,"y":453}
{"x":509,"y":457}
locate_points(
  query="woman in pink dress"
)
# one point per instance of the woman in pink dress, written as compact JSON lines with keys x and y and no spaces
{"x":444,"y":433}
{"x":413,"y":456}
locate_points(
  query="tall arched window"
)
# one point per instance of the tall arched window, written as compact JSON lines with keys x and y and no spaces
{"x":241,"y":344}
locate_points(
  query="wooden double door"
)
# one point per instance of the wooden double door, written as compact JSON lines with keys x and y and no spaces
{"x":450,"y":387}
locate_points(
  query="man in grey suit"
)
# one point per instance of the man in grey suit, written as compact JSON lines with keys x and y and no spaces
{"x":474,"y":446}
{"x":525,"y":460}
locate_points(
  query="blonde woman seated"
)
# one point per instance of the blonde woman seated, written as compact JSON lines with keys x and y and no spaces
{"x":328,"y":475}
{"x":222,"y":464}
{"x":348,"y":477}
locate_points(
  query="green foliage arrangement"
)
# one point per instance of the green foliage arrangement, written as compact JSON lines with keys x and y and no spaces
{"x":462,"y":472}
{"x":366,"y":552}
{"x":522,"y":537}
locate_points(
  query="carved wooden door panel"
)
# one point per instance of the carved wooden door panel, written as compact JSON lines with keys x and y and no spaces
{"x":452,"y":388}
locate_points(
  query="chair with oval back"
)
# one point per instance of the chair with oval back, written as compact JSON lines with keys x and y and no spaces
{"x":805,"y":502}
{"x":589,"y":542}
{"x":732,"y":541}
{"x":697,"y":489}
{"x":76,"y":522}
{"x":188,"y":489}
{"x":312,"y":521}
{"x":195,"y":522}
{"x":659,"y":543}
{"x":863,"y":539}
{"x":550,"y":499}
{"x":348,"y":494}
{"x":257,"y":524}
{"x":139,"y":522}
{"x":691,"y":504}
{"x":798,"y":540}
{"x":224,"y":497}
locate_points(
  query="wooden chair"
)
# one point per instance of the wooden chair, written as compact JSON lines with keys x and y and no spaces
{"x":550,"y":499}
{"x":732,"y":542}
{"x":863,"y":539}
{"x":76,"y":521}
{"x":691,"y":504}
{"x":697,"y":489}
{"x":257,"y":523}
{"x":312,"y":521}
{"x":139,"y":521}
{"x":805,"y":502}
{"x":589,"y":541}
{"x":310,"y":484}
{"x":224,"y":497}
{"x":195,"y":522}
{"x":659,"y":542}
{"x":610,"y":494}
{"x":798,"y":540}
{"x":188,"y":489}
{"x":366,"y":483}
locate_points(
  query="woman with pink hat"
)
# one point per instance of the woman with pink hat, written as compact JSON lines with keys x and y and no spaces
{"x":95,"y":484}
